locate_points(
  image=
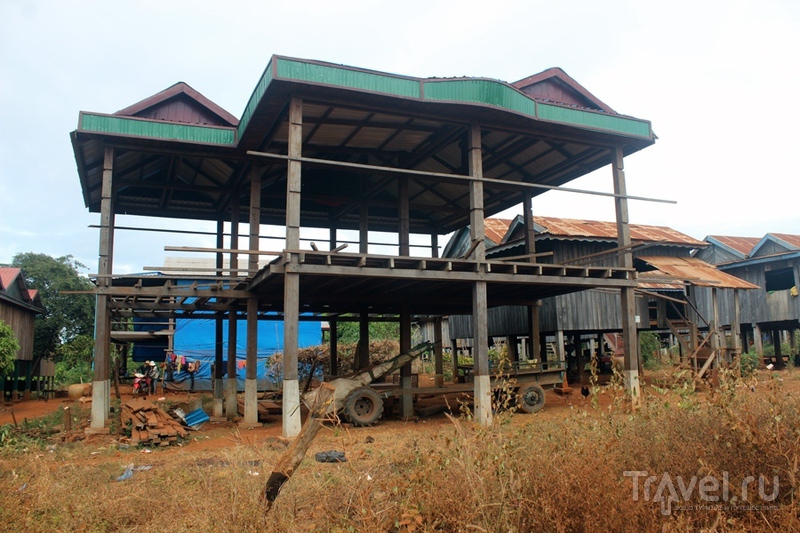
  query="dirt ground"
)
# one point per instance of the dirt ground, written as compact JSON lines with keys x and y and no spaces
{"x":215,"y":435}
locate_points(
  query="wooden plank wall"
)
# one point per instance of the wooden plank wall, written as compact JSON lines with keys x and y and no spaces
{"x":757,"y":305}
{"x":22,"y":322}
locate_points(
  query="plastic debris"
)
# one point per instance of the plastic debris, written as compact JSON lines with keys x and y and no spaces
{"x":330,"y":457}
{"x":127,"y":474}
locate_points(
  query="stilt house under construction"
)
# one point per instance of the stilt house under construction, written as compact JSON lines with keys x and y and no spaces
{"x":327,"y":146}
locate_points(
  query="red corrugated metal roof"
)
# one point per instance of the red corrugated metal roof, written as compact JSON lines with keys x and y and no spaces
{"x":743,"y":245}
{"x":595,"y":229}
{"x":7,"y":277}
{"x":694,"y":271}
{"x":496,"y":228}
{"x":793,"y":240}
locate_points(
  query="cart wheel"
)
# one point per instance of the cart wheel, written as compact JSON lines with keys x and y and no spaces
{"x":530,"y":398}
{"x":363,"y":407}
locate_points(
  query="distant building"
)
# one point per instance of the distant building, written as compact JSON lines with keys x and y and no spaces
{"x":19,"y":306}
{"x":588,"y":319}
{"x":773,"y":264}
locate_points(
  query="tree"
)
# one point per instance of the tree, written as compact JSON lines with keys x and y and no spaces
{"x":9,"y":346}
{"x":348,"y":332}
{"x":67,"y":316}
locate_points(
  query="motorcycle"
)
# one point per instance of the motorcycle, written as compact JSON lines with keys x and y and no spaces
{"x":141,"y":384}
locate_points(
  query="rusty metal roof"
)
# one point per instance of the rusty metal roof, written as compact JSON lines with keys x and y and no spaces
{"x":743,"y":245}
{"x":496,"y":228}
{"x":595,"y":229}
{"x":693,"y":271}
{"x":791,"y":240}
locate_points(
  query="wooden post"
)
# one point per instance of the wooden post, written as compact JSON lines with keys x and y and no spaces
{"x":776,"y":343}
{"x":716,"y":345}
{"x":438,"y":352}
{"x":255,"y":218}
{"x":407,"y":401}
{"x":291,"y":293}
{"x":759,"y":347}
{"x":480,"y":316}
{"x":535,"y":331}
{"x":511,"y":344}
{"x":363,"y":229}
{"x":454,"y":354}
{"x":434,"y":245}
{"x":736,"y":327}
{"x":101,"y":387}
{"x":792,"y":343}
{"x":293,"y":456}
{"x":627,"y":295}
{"x":218,"y":323}
{"x":231,"y":383}
{"x":404,"y":229}
{"x":363,"y":341}
{"x":561,"y":354}
{"x":67,"y":420}
{"x":251,"y":365}
{"x":334,"y":347}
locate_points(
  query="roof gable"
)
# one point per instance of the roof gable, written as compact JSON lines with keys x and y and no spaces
{"x":739,"y":246}
{"x":13,"y":289}
{"x":180,"y":103}
{"x":776,"y":243}
{"x":555,"y":85}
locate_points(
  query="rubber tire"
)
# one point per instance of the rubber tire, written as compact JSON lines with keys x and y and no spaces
{"x":530,"y":398}
{"x":363,"y":407}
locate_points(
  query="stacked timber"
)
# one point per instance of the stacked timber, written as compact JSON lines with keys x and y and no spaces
{"x":149,"y":424}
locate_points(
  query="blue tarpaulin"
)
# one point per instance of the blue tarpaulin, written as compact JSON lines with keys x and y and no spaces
{"x":194,"y":340}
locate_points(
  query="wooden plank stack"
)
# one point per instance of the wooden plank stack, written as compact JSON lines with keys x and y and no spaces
{"x":150,"y":425}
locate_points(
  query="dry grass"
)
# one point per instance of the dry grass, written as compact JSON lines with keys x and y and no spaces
{"x":526,"y":473}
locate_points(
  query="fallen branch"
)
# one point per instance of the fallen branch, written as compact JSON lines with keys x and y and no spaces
{"x":293,"y":456}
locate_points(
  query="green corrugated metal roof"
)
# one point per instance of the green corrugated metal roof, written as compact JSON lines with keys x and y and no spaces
{"x":156,"y":129}
{"x":483,"y":92}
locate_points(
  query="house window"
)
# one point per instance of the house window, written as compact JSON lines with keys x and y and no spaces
{"x":781,"y":279}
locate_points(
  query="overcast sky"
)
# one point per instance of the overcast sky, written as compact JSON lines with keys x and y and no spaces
{"x":718,"y":79}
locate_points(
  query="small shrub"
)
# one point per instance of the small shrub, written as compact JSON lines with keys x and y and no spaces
{"x":748,"y":363}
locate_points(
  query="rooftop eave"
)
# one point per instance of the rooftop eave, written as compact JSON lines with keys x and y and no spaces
{"x":471,"y":92}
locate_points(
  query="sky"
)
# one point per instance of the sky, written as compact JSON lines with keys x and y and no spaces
{"x":718,"y":80}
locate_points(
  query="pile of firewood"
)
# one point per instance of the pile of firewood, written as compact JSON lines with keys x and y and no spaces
{"x":149,"y":424}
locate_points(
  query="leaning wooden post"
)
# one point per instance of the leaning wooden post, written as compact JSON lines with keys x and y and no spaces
{"x":293,"y":456}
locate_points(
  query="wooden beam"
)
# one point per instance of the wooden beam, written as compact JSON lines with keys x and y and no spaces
{"x":511,"y":185}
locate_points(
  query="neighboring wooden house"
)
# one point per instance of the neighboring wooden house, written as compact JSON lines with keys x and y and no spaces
{"x":662,"y":256}
{"x":773,"y":264}
{"x":19,"y":306}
